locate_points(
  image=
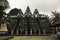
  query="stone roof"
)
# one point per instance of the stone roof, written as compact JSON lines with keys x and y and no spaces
{"x":57,"y":24}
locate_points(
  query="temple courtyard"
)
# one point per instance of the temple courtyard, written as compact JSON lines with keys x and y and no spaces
{"x":33,"y":38}
{"x":27,"y":38}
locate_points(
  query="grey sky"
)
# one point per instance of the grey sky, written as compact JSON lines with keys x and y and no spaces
{"x":44,"y":6}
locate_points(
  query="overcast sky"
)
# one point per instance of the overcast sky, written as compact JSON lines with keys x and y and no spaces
{"x":43,"y":6}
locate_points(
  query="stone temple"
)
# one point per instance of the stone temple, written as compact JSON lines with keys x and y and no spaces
{"x":19,"y":23}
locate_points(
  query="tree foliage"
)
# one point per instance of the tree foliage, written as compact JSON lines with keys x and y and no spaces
{"x":4,"y":4}
{"x":56,"y":17}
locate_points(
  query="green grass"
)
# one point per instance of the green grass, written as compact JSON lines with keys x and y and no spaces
{"x":31,"y":38}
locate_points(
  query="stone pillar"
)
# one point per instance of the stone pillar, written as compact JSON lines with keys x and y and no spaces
{"x":11,"y":32}
{"x":26,"y":31}
{"x":44,"y":32}
{"x":56,"y":29}
{"x":31,"y":32}
{"x":53,"y":31}
{"x":21,"y":31}
{"x":17,"y":32}
{"x":39,"y":31}
{"x":34,"y":31}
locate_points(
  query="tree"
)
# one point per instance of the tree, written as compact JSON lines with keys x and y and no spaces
{"x":45,"y":21}
{"x":3,"y":5}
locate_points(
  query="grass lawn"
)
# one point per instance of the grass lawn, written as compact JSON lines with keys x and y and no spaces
{"x":31,"y":38}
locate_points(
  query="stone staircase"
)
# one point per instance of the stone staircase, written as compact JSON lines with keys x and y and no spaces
{"x":5,"y":37}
